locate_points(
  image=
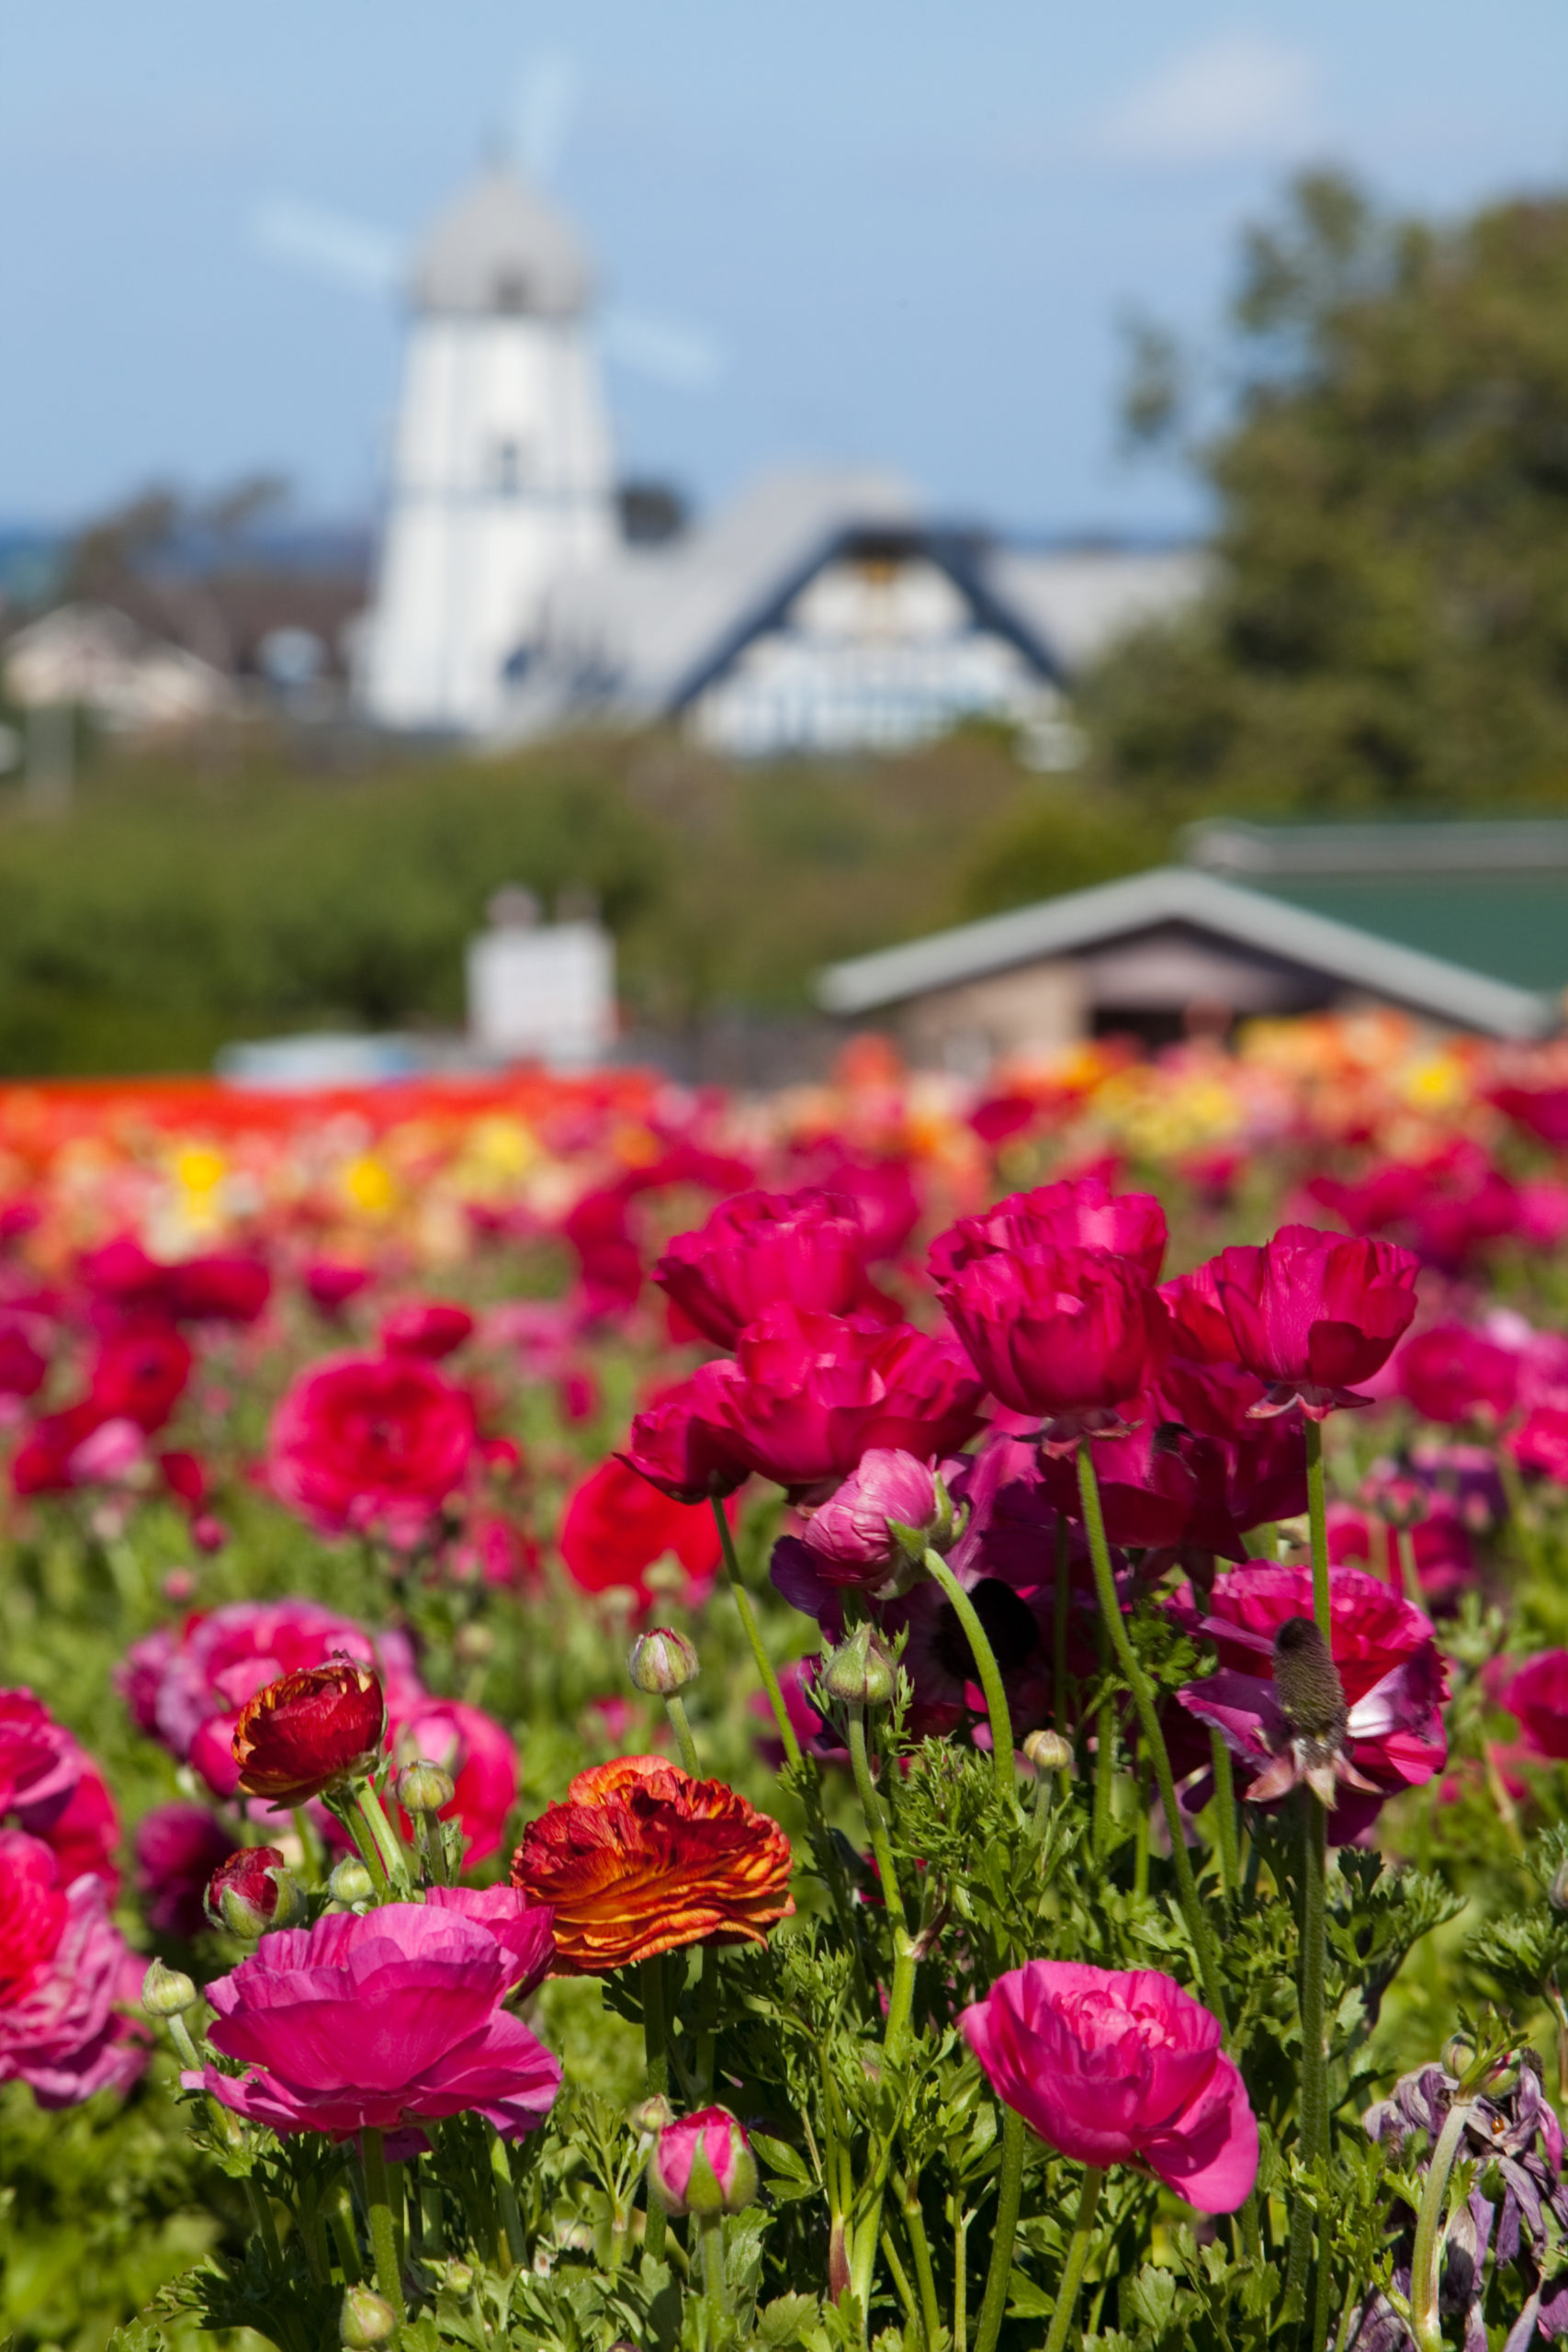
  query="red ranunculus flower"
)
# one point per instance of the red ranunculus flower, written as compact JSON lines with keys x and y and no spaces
{"x":432,"y":1328}
{"x":616,"y":1525}
{"x":242,"y":1892}
{"x":641,"y":1858}
{"x":140,"y":1375}
{"x":64,"y":1968}
{"x":1117,"y":2066}
{"x":1314,"y":1312}
{"x":759,"y":1249}
{"x":310,"y":1731}
{"x":1385,"y":1653}
{"x":809,"y":1394}
{"x":1080,"y":1214}
{"x":1453,"y":1374}
{"x":362,"y":1443}
{"x":221,"y":1286}
{"x":53,"y":1789}
{"x":387,"y":2020}
{"x":1070,"y":1334}
{"x":1540,"y":1442}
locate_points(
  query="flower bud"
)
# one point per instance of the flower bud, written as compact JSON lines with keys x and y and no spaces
{"x":1049,"y":1752}
{"x":366,"y":2318}
{"x":661,"y":1662}
{"x":703,"y":2165}
{"x":252,"y":1892}
{"x":473,"y":1643}
{"x":1459,"y":2055}
{"x":1307,"y":1684}
{"x":1557,"y":1892}
{"x":650,"y":2115}
{"x":351,"y":1882}
{"x":166,"y":1993}
{"x":424,"y":1788}
{"x":860,"y":1673}
{"x":889,"y":1508}
{"x":458,"y":2276}
{"x":310,"y":1731}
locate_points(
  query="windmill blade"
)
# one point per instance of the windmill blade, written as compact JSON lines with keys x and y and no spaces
{"x":332,"y":245}
{"x":687,"y":358}
{"x":549,"y":89}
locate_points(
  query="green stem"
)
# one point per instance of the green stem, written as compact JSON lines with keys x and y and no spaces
{"x":1003,"y":1762}
{"x":876,"y":1820}
{"x":261,"y":2211}
{"x":1060,"y":1596}
{"x":715,"y":2287}
{"x":383,"y":2239}
{"x":707,"y":2022}
{"x":1317,"y":1513}
{"x":506,"y":2197}
{"x":901,"y":1991}
{"x":339,"y":2214}
{"x":1426,"y":2268}
{"x":960,"y":2275}
{"x":754,"y":1635}
{"x":1314,"y":2124}
{"x":920,"y":2246}
{"x":1154,"y":1739}
{"x":675,"y":1708}
{"x":1141,"y":1828}
{"x":651,"y":1976}
{"x":1224,"y":1813}
{"x":900,"y":2278}
{"x":1077,"y":2262}
{"x":1010,"y":2193}
{"x":1104,"y":1760}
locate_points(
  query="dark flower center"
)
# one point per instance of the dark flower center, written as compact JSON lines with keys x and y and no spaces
{"x":1009,"y":1625}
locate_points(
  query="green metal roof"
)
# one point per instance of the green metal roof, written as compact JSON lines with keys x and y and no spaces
{"x":1513,"y":927}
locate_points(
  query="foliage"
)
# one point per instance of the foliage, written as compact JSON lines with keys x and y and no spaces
{"x":1389,"y":617}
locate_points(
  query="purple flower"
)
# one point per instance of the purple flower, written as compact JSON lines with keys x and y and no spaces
{"x":387,"y":2020}
{"x":178,"y":1847}
{"x":851,"y":1534}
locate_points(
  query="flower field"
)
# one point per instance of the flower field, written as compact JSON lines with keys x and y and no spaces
{"x":630,"y":1719}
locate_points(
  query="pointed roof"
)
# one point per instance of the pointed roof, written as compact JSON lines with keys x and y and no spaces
{"x":499,"y":249}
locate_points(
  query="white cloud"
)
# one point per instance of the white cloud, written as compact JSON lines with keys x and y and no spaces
{"x":1237,"y":98}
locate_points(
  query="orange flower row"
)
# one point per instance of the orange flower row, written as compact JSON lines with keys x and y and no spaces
{"x":641,"y":1858}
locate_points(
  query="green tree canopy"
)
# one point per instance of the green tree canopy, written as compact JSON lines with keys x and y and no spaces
{"x":1388,"y":622}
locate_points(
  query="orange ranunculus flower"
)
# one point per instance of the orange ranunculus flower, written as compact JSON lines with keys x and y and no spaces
{"x":641,"y":1858}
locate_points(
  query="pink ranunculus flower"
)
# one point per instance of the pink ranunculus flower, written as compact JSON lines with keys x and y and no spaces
{"x":1070,"y":1334}
{"x":1452,"y":1375}
{"x":387,"y":2020}
{"x":1540,"y":1442}
{"x":677,"y":1447}
{"x":476,"y":1752}
{"x":53,"y":1789}
{"x":851,"y":1532}
{"x":371,"y":1443}
{"x":1314,"y":1313}
{"x":1115,"y":2066}
{"x":1385,"y":1651}
{"x":808,"y":1395}
{"x":64,"y":1970}
{"x":1537,"y":1696}
{"x":1080,"y":1214}
{"x":187,"y":1689}
{"x":761,"y":1249}
{"x":431,"y":1327}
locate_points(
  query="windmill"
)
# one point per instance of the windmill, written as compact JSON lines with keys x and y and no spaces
{"x":501,"y":480}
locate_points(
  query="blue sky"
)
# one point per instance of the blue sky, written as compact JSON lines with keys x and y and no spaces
{"x":910,"y":226}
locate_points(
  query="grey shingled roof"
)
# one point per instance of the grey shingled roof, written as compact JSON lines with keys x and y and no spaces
{"x":1087,"y":919}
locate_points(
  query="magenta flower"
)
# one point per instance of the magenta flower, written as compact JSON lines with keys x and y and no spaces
{"x":178,"y":1847}
{"x":1072,"y":1335}
{"x":809,"y":1394}
{"x":1537,"y":1696}
{"x":761,"y":1249}
{"x":1313,"y":1313}
{"x":64,"y":1968}
{"x":371,"y":1443}
{"x":679,"y":1445}
{"x":1117,"y":2066}
{"x":1082,"y":1214}
{"x":387,"y":2020}
{"x":1453,"y":1374}
{"x":1390,"y":1672}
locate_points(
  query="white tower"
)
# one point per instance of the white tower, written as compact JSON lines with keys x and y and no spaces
{"x":501,"y":471}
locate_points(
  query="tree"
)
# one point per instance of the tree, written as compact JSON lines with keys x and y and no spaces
{"x":1388,"y":622}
